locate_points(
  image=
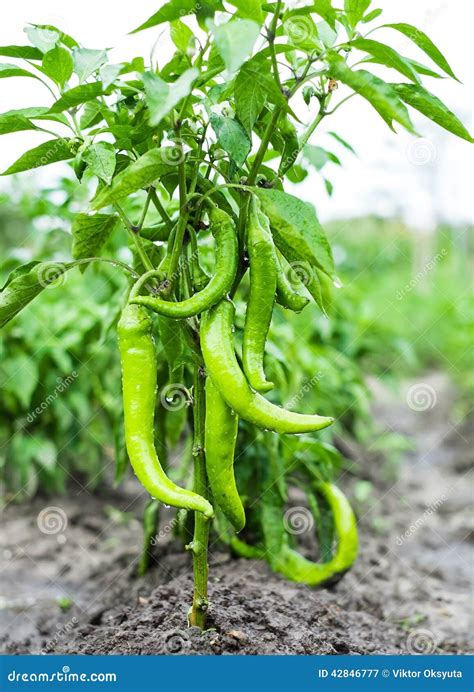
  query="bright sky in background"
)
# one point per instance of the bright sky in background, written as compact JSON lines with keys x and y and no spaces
{"x":426,"y":180}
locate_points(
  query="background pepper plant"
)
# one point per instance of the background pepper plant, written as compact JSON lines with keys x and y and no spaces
{"x":190,"y":156}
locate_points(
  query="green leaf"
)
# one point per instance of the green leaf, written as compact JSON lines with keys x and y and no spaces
{"x":39,"y":113}
{"x":87,"y":61}
{"x":253,"y":86}
{"x":162,"y":97}
{"x":297,"y":231}
{"x":181,"y":35}
{"x":49,"y":152}
{"x":109,"y":73}
{"x":76,"y":96}
{"x":141,"y":173}
{"x":90,"y":233}
{"x":317,"y":156}
{"x":326,"y":11}
{"x":20,"y":377}
{"x":25,"y":283}
{"x":57,"y":64}
{"x":64,"y":38}
{"x":343,"y":142}
{"x":168,"y":13}
{"x":15,"y":123}
{"x":426,"y":44}
{"x":25,"y":52}
{"x":422,"y":100}
{"x":355,"y":10}
{"x":234,"y":41}
{"x":43,"y":37}
{"x":8,"y":70}
{"x":386,"y":56}
{"x":232,"y":137}
{"x":371,"y":16}
{"x":100,"y":159}
{"x":377,"y":92}
{"x":249,"y":9}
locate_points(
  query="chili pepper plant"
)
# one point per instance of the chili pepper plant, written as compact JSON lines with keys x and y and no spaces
{"x":190,"y":152}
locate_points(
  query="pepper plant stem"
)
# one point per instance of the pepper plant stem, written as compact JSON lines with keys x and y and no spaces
{"x":200,"y":541}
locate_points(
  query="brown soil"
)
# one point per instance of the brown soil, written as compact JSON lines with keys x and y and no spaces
{"x":408,"y":592}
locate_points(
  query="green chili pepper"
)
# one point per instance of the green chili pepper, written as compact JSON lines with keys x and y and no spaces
{"x":223,"y":368}
{"x":286,"y":295}
{"x":223,"y":231}
{"x":263,"y":281}
{"x":220,"y":438}
{"x":139,"y":374}
{"x":294,"y":566}
{"x":199,"y":277}
{"x":159,"y":232}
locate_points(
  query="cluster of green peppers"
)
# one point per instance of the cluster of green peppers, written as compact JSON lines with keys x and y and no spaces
{"x":231,"y":391}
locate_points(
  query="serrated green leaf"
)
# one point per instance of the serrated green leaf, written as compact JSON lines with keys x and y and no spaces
{"x":430,"y":105}
{"x":378,"y":93}
{"x":25,"y":52}
{"x":9,"y":70}
{"x":49,"y":152}
{"x":234,"y":40}
{"x":296,"y":229}
{"x":87,"y":61}
{"x":162,"y":97}
{"x":355,"y":10}
{"x":77,"y":96}
{"x":168,"y":13}
{"x":90,"y":233}
{"x":232,"y":137}
{"x":100,"y":159}
{"x":57,"y":64}
{"x":141,"y":173}
{"x":25,"y":283}
{"x":426,"y":44}
{"x":386,"y":56}
{"x":15,"y":123}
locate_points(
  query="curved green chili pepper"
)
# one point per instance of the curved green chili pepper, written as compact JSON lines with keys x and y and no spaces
{"x":200,"y":278}
{"x":223,"y":368}
{"x":139,"y":373}
{"x":221,"y":434}
{"x":286,"y":295}
{"x":159,"y":232}
{"x":223,"y":231}
{"x":294,"y":566}
{"x":263,"y":281}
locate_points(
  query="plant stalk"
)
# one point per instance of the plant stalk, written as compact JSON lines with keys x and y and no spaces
{"x":199,"y":544}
